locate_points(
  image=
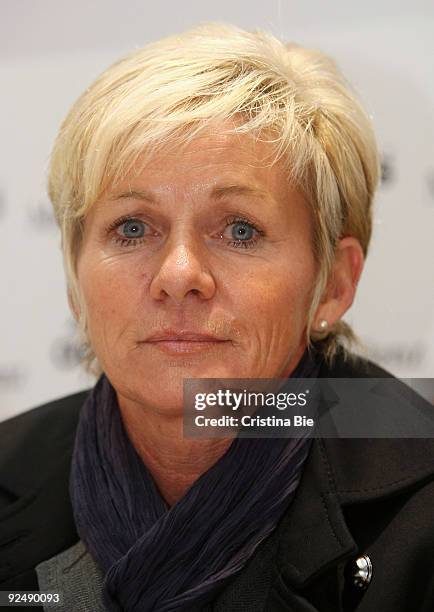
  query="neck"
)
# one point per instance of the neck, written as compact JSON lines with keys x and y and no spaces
{"x":175,"y":462}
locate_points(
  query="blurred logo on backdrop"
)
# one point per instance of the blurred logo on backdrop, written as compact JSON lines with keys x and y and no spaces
{"x":387,"y":170}
{"x":12,"y":376}
{"x":41,"y":215}
{"x":65,"y":351}
{"x":395,"y":355}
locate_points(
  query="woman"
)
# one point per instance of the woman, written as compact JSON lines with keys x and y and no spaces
{"x":214,"y":193}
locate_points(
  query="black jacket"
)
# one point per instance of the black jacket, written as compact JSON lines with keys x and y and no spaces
{"x":372,"y":497}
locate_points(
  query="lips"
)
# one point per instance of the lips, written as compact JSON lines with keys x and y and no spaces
{"x":183,"y":336}
{"x":183,"y":342}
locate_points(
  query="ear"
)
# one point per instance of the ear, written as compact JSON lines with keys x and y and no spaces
{"x":342,"y":285}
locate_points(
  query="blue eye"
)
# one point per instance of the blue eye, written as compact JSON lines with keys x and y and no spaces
{"x":242,"y":231}
{"x":128,"y":231}
{"x":133,"y":229}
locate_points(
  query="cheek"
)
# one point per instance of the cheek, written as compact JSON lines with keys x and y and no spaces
{"x":107,"y":291}
{"x":284,"y":293}
{"x":274,"y":305}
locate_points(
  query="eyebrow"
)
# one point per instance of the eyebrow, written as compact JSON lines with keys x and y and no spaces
{"x":134,"y":194}
{"x":242,"y":190}
{"x":217,"y":193}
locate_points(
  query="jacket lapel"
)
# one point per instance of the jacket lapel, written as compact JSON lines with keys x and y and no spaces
{"x":313,"y":533}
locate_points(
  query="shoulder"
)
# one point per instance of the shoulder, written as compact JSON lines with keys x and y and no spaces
{"x":377,"y":499}
{"x":32,"y":441}
{"x":351,"y":365}
{"x":55,"y":420}
{"x":369,"y":468}
{"x":36,"y":519}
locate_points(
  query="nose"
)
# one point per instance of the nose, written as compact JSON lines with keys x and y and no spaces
{"x":182,"y":272}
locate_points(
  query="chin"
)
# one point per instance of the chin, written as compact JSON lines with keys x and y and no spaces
{"x":190,"y":367}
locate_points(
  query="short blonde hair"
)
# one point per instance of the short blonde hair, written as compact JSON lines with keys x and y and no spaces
{"x":170,"y":90}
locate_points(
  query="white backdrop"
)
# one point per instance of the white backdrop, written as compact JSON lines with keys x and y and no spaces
{"x":50,"y":50}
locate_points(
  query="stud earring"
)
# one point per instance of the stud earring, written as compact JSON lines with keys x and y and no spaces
{"x":323,"y":325}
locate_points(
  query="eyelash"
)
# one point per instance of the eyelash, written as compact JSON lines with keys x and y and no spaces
{"x":246,"y":244}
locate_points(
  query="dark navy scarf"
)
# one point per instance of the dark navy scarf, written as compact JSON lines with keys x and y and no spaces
{"x":159,"y":558}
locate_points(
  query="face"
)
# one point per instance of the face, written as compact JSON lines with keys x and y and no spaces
{"x":199,"y":266}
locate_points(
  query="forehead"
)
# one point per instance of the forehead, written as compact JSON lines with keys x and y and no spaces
{"x":212,"y":159}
